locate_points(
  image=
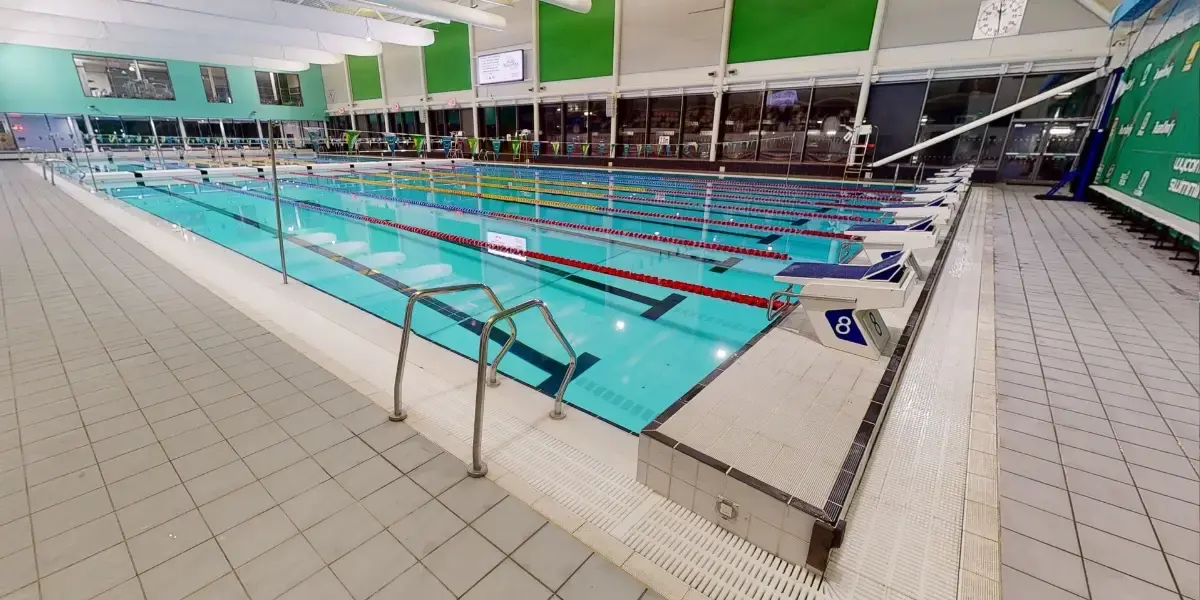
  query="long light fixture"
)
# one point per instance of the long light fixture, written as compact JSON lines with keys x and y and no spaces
{"x":451,"y":11}
{"x":290,"y":25}
{"x":579,"y":6}
{"x":143,"y":36}
{"x":177,"y":52}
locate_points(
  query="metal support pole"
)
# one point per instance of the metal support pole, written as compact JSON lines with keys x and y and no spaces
{"x":278,"y":211}
{"x":791,"y":145}
{"x":154,"y":130}
{"x":719,"y":83}
{"x":88,"y":158}
{"x":864,"y":91}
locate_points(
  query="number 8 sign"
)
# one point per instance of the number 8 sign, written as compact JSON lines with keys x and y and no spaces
{"x":845,"y":327}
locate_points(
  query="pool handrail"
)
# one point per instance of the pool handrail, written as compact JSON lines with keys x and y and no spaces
{"x":477,"y":467}
{"x":398,"y":412}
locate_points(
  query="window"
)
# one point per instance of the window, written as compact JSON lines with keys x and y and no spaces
{"x":697,"y":125}
{"x":373,"y":122}
{"x":829,"y":120}
{"x":341,"y":123}
{"x":665,"y":117}
{"x":739,"y":125}
{"x":106,"y":77}
{"x":216,"y":84}
{"x":525,"y":118}
{"x":233,"y":129}
{"x":599,"y":127}
{"x":278,"y":88}
{"x":166,"y":127}
{"x":895,"y":109}
{"x":402,"y":122}
{"x":997,"y":131}
{"x":951,"y":104}
{"x":575,"y":126}
{"x":784,"y":124}
{"x":552,"y":118}
{"x":1080,"y":102}
{"x":631,"y":128}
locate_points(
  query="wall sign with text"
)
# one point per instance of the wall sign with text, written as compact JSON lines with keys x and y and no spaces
{"x":501,"y":67}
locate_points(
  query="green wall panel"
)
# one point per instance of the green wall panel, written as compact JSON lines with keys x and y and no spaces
{"x":770,"y":29}
{"x":1153,"y":152}
{"x":44,"y":80}
{"x":364,"y":77}
{"x":448,"y":60}
{"x":574,"y":45}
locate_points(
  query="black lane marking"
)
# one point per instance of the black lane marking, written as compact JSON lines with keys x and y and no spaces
{"x":660,"y":309}
{"x":554,"y":368}
{"x":726,"y":264}
{"x":770,"y":239}
{"x":595,"y":214}
{"x":800,"y":221}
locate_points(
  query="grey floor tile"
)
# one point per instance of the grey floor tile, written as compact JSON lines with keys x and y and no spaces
{"x":316,"y":504}
{"x":426,"y":528}
{"x":18,"y":570}
{"x":368,"y":476}
{"x":1057,"y":567}
{"x":15,"y":535}
{"x":237,"y":507}
{"x":343,"y":456}
{"x":279,"y":569}
{"x":1187,"y":576}
{"x":395,"y":500}
{"x":1034,"y":493}
{"x":411,"y":453}
{"x":1123,"y":555}
{"x":225,"y":588}
{"x":72,"y":513}
{"x":374,"y":564}
{"x":1108,"y":584}
{"x":508,"y":524}
{"x":417,"y":583}
{"x":1113,"y":519}
{"x":168,"y":540}
{"x":154,"y":511}
{"x":250,"y":539}
{"x":89,"y":577}
{"x":186,"y":573}
{"x":324,"y":585}
{"x":76,"y":544}
{"x":1031,"y":467}
{"x":471,"y":497}
{"x":322,"y":437}
{"x":508,"y":582}
{"x":551,"y":555}
{"x":1040,"y":525}
{"x":64,"y":488}
{"x":205,"y":460}
{"x":463,"y":560}
{"x":291,"y":481}
{"x":1178,"y":541}
{"x":217,"y":483}
{"x":342,"y":532}
{"x":599,"y":579}
{"x":272,"y":459}
{"x":439,"y":473}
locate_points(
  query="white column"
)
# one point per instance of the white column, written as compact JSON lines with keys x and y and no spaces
{"x":537,"y":72}
{"x":224,"y":138}
{"x":387,"y":115}
{"x":474,"y":82}
{"x":87,"y":124}
{"x":719,"y":92}
{"x":616,"y":78}
{"x":183,"y":133}
{"x":868,"y":71}
{"x":424,"y":97}
{"x":258,"y":125}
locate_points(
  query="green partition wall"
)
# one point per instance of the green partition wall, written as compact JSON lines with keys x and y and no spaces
{"x":1153,"y":152}
{"x":448,"y":59}
{"x":574,"y":45}
{"x":364,"y":77}
{"x":771,"y":29}
{"x":44,"y":80}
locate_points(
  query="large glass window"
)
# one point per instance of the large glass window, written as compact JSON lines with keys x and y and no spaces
{"x":784,"y":123}
{"x":278,"y":88}
{"x":697,"y":125}
{"x":992,"y":144}
{"x":830,"y":118}
{"x":166,"y":127}
{"x":575,"y":125}
{"x":406,"y":122}
{"x":1077,"y":103}
{"x":895,"y":110}
{"x":372,"y":122}
{"x":552,"y":119}
{"x":233,"y":129}
{"x":525,"y":118}
{"x":631,"y":115}
{"x":216,"y":84}
{"x":666,"y":114}
{"x":108,"y":77}
{"x":339,"y":123}
{"x":489,"y":122}
{"x":951,"y":104}
{"x":135,"y":126}
{"x":599,"y":127}
{"x":740,"y":116}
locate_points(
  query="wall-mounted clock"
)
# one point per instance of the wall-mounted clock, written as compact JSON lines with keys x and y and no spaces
{"x":999,"y":18}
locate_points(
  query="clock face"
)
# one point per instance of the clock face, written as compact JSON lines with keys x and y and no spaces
{"x":999,"y":18}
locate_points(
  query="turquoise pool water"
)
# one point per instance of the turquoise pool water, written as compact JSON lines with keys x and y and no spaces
{"x":641,"y":346}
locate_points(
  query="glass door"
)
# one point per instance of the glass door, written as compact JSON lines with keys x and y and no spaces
{"x":1025,"y":143}
{"x":1064,"y":139}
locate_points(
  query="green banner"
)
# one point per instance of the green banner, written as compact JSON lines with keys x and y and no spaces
{"x":418,"y":141}
{"x":474,"y":146}
{"x":554,"y":147}
{"x":515,"y":147}
{"x":1153,"y":151}
{"x":351,"y":139}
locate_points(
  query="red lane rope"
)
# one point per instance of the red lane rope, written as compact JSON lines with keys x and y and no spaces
{"x":700,"y":290}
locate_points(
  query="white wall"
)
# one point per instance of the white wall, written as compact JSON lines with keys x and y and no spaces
{"x":336,"y":89}
{"x":918,"y":22}
{"x":402,"y":74}
{"x":518,"y":32}
{"x":664,"y":35}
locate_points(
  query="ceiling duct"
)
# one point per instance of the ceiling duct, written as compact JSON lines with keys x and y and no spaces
{"x":174,"y":52}
{"x":579,"y":6}
{"x":452,"y":11}
{"x":313,"y":29}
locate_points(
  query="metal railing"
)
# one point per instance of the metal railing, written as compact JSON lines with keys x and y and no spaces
{"x":486,"y":375}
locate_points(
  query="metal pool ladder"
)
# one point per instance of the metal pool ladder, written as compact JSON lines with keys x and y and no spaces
{"x":484,"y":373}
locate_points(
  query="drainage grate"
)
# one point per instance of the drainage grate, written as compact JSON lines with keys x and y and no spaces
{"x":715,"y":562}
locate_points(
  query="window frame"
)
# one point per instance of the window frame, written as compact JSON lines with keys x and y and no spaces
{"x":277,"y":87}
{"x":205,"y":80}
{"x":134,"y":62}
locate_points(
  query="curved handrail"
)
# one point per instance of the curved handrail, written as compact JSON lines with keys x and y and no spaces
{"x":398,"y":412}
{"x":478,"y":468}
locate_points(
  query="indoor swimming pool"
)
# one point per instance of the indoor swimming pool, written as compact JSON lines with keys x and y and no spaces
{"x":655,"y":285}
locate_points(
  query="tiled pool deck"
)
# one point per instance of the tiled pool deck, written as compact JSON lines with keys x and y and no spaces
{"x":157,"y":443}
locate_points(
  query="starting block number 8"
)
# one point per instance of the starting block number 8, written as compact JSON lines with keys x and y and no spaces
{"x":845,"y":327}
